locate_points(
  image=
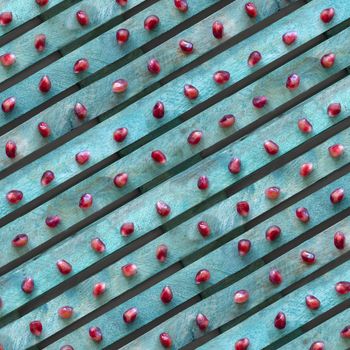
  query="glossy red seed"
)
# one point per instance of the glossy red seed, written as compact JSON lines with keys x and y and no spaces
{"x":234,"y":166}
{"x":42,"y":2}
{"x":241,"y":296}
{"x":28,"y":285}
{"x":45,"y":84}
{"x":166,"y":295}
{"x":80,"y":111}
{"x":5,"y":18}
{"x":95,"y":334}
{"x":194,"y":137}
{"x":271,"y":147}
{"x":327,"y":15}
{"x":127,"y":229}
{"x":254,"y":58}
{"x":47,"y":177}
{"x":85,"y":201}
{"x":99,"y":289}
{"x":306,"y":169}
{"x":162,"y":253}
{"x":165,"y":340}
{"x":36,"y":328}
{"x":82,"y":18}
{"x":120,"y":180}
{"x":280,"y":321}
{"x":342,"y":287}
{"x":8,"y":59}
{"x":202,"y":322}
{"x":317,"y":345}
{"x":122,"y":36}
{"x":81,"y":65}
{"x":120,"y":134}
{"x":312,"y":302}
{"x":119,"y":86}
{"x":339,"y":240}
{"x":302,"y":214}
{"x":186,"y":46}
{"x":337,"y":195}
{"x":40,"y":42}
{"x":293,"y":82}
{"x":8,"y":104}
{"x":151,"y":22}
{"x":158,"y":156}
{"x":97,"y":245}
{"x":14,"y":196}
{"x":345,"y":332}
{"x":202,"y":276}
{"x":275,"y":277}
{"x":242,"y":208}
{"x":181,"y":5}
{"x":218,"y":30}
{"x":130,"y":315}
{"x":203,"y":183}
{"x":44,"y":129}
{"x":334,"y":109}
{"x":20,"y":240}
{"x":273,"y":232}
{"x":64,"y":267}
{"x":190,"y":92}
{"x":129,"y":270}
{"x":52,"y":221}
{"x":242,"y":344}
{"x":162,"y":208}
{"x":153,"y":66}
{"x":122,"y":2}
{"x":221,"y":77}
{"x":65,"y":312}
{"x":327,"y":61}
{"x":227,"y":121}
{"x":335,"y":151}
{"x":203,"y":228}
{"x":66,"y":347}
{"x":272,"y":193}
{"x":304,"y":125}
{"x":251,"y":9}
{"x":308,"y":257}
{"x":290,"y":37}
{"x":158,"y":110}
{"x":82,"y":157}
{"x":259,"y":101}
{"x":243,"y":247}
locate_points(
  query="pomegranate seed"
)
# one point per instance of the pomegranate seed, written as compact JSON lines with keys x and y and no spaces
{"x":273,"y":232}
{"x":227,"y":120}
{"x":317,"y":345}
{"x":308,"y":257}
{"x":327,"y":61}
{"x":120,"y":180}
{"x":234,"y":166}
{"x":275,"y":277}
{"x":293,"y":82}
{"x":53,"y":221}
{"x":202,"y":322}
{"x":45,"y":84}
{"x":202,"y":276}
{"x":334,"y":109}
{"x":251,"y":9}
{"x":342,"y":287}
{"x":312,"y":302}
{"x":65,"y":312}
{"x":97,"y":245}
{"x":242,"y":208}
{"x":327,"y":15}
{"x":122,"y":36}
{"x":40,"y":42}
{"x":259,"y":101}
{"x":44,"y":129}
{"x":122,"y":2}
{"x":151,"y":22}
{"x":166,"y":296}
{"x":81,"y":66}
{"x":130,"y":315}
{"x":242,"y":344}
{"x":158,"y":157}
{"x":345,"y":332}
{"x":339,"y":240}
{"x":221,"y":77}
{"x":120,"y":134}
{"x":290,"y":37}
{"x":190,"y":92}
{"x":85,"y":201}
{"x":336,"y":150}
{"x":165,"y":340}
{"x":304,"y":125}
{"x":129,"y":270}
{"x":306,"y":169}
{"x":271,"y":147}
{"x":241,"y":296}
{"x":153,"y":66}
{"x":243,"y":247}
{"x":20,"y":240}
{"x":7,"y":59}
{"x":194,"y":137}
{"x":14,"y":196}
{"x":158,"y":110}
{"x":162,"y":208}
{"x":218,"y":30}
{"x":162,"y":253}
{"x":302,"y":214}
{"x":203,"y":228}
{"x":28,"y":285}
{"x":272,"y":192}
{"x":186,"y":46}
{"x":64,"y":267}
{"x":120,"y":85}
{"x":80,"y":111}
{"x":65,"y":347}
{"x":280,"y":321}
{"x":203,"y":182}
{"x":47,"y":178}
{"x":337,"y":195}
{"x":99,"y":289}
{"x":95,"y":334}
{"x":181,"y":5}
{"x":5,"y":18}
{"x":35,"y":328}
{"x":127,"y":229}
{"x":8,"y":105}
{"x":82,"y":18}
{"x":82,"y":157}
{"x":254,"y":58}
{"x":42,"y":2}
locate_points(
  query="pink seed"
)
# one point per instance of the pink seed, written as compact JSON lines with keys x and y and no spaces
{"x":251,"y":9}
{"x":202,"y":276}
{"x":203,"y":183}
{"x":82,"y":157}
{"x":293,"y":82}
{"x":194,"y":137}
{"x":308,"y":257}
{"x":345,"y":332}
{"x":5,"y":18}
{"x":81,"y":66}
{"x":337,"y":195}
{"x":165,"y":340}
{"x":234,"y":166}
{"x":202,"y":322}
{"x":8,"y":59}
{"x":45,"y":84}
{"x":342,"y":287}
{"x":290,"y":37}
{"x":243,"y":247}
{"x":227,"y":120}
{"x":64,"y":267}
{"x":158,"y":156}
{"x":327,"y":15}
{"x":151,"y":22}
{"x":85,"y":201}
{"x":166,"y":296}
{"x":65,"y":312}
{"x":158,"y":110}
{"x":327,"y":61}
{"x":317,"y":345}
{"x":242,"y":208}
{"x":28,"y":285}
{"x":47,"y":178}
{"x":335,"y":151}
{"x":190,"y":92}
{"x":221,"y":77}
{"x":99,"y":289}
{"x":120,"y":180}
{"x":80,"y":111}
{"x":42,"y":2}
{"x":312,"y":302}
{"x":304,"y":125}
{"x":95,"y":334}
{"x":127,"y":229}
{"x":203,"y":228}
{"x":129,"y":270}
{"x":339,"y":240}
{"x":280,"y":321}
{"x":306,"y":169}
{"x":241,"y":296}
{"x":181,"y":5}
{"x":35,"y":328}
{"x":122,"y":2}
{"x":82,"y":18}
{"x":8,"y":104}
{"x":20,"y":240}
{"x":186,"y":46}
{"x":259,"y":101}
{"x":40,"y":42}
{"x":273,"y":232}
{"x":130,"y":315}
{"x":254,"y":58}
{"x":44,"y":129}
{"x":162,"y":208}
{"x":334,"y":109}
{"x":272,"y":193}
{"x":242,"y":344}
{"x":302,"y":214}
{"x":275,"y":276}
{"x":97,"y":245}
{"x":122,"y":36}
{"x":162,"y":253}
{"x":271,"y":147}
{"x":14,"y":196}
{"x":153,"y":66}
{"x":120,"y":134}
{"x":52,"y":221}
{"x":119,"y":86}
{"x":218,"y":30}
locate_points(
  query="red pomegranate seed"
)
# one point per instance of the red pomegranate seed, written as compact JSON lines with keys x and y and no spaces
{"x":162,"y":253}
{"x":44,"y":129}
{"x":302,"y":214}
{"x":53,"y":221}
{"x":272,"y":192}
{"x":304,"y":125}
{"x":273,"y":232}
{"x":82,"y":18}
{"x":8,"y":105}
{"x":271,"y":147}
{"x":227,"y":120}
{"x":47,"y":178}
{"x":65,"y":312}
{"x":120,"y":180}
{"x":342,"y":287}
{"x":339,"y":240}
{"x":81,"y":66}
{"x":120,"y":134}
{"x":20,"y":240}
{"x":242,"y":208}
{"x":95,"y":334}
{"x":122,"y":36}
{"x":64,"y":267}
{"x":85,"y":201}
{"x":335,"y":151}
{"x":327,"y":15}
{"x":129,"y":270}
{"x":181,"y":5}
{"x":5,"y":18}
{"x":234,"y":166}
{"x":158,"y":157}
{"x":166,"y":296}
{"x":308,"y":257}
{"x":153,"y":66}
{"x":243,"y":247}
{"x":293,"y":82}
{"x":122,"y":2}
{"x":99,"y":289}
{"x":259,"y":101}
{"x":8,"y":59}
{"x":203,"y":228}
{"x":65,"y":347}
{"x":242,"y":344}
{"x":194,"y":137}
{"x":202,"y":276}
{"x":202,"y":322}
{"x":42,"y":2}
{"x":165,"y":340}
{"x":35,"y":328}
{"x":317,"y":345}
{"x":40,"y":42}
{"x":186,"y":46}
{"x":119,"y":86}
{"x":127,"y":229}
{"x":162,"y":208}
{"x":130,"y":315}
{"x":151,"y":22}
{"x":334,"y":109}
{"x":80,"y":111}
{"x":221,"y":77}
{"x":251,"y":9}
{"x":97,"y":245}
{"x":82,"y":157}
{"x":275,"y":276}
{"x":306,"y":169}
{"x":14,"y":196}
{"x":218,"y":30}
{"x":203,"y":183}
{"x":190,"y":92}
{"x":241,"y":296}
{"x":345,"y":332}
{"x":337,"y":195}
{"x":158,"y":110}
{"x":280,"y":321}
{"x":290,"y":37}
{"x":28,"y":285}
{"x":327,"y":61}
{"x":254,"y":58}
{"x":45,"y":84}
{"x":312,"y":302}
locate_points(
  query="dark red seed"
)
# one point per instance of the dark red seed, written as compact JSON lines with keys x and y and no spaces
{"x":202,"y":276}
{"x":158,"y":110}
{"x":85,"y":201}
{"x":47,"y":178}
{"x":122,"y":36}
{"x":95,"y":334}
{"x":14,"y":196}
{"x":190,"y":92}
{"x":165,"y":340}
{"x":28,"y":285}
{"x":345,"y":332}
{"x":42,"y":2}
{"x":293,"y":82}
{"x":153,"y":66}
{"x":82,"y":18}
{"x":280,"y":321}
{"x":120,"y":180}
{"x":53,"y":221}
{"x":241,"y":296}
{"x":203,"y":182}
{"x":194,"y":137}
{"x":243,"y":247}
{"x":273,"y":232}
{"x":227,"y":120}
{"x":242,"y":208}
{"x":234,"y":166}
{"x":97,"y":245}
{"x":162,"y":253}
{"x":65,"y":347}
{"x":259,"y":101}
{"x":342,"y":287}
{"x":45,"y":84}
{"x":99,"y":289}
{"x":302,"y":214}
{"x":251,"y":9}
{"x":327,"y":15}
{"x":334,"y":109}
{"x":181,"y":5}
{"x":130,"y":315}
{"x":40,"y":42}
{"x":8,"y":104}
{"x":317,"y":345}
{"x":339,"y":240}
{"x":151,"y":22}
{"x":21,"y":240}
{"x":127,"y":229}
{"x":202,"y":322}
{"x":64,"y":267}
{"x":275,"y":276}
{"x":335,"y":151}
{"x":80,"y":111}
{"x":120,"y":134}
{"x":290,"y":37}
{"x":312,"y":302}
{"x":44,"y":129}
{"x":242,"y":344}
{"x":162,"y":208}
{"x":82,"y":157}
{"x":8,"y":59}
{"x":218,"y":30}
{"x":221,"y":77}
{"x":186,"y":46}
{"x":122,"y":2}
{"x":272,"y":193}
{"x":36,"y":328}
{"x":129,"y":270}
{"x":304,"y":125}
{"x":254,"y":58}
{"x":203,"y":228}
{"x":166,"y":295}
{"x":327,"y":61}
{"x":158,"y":156}
{"x":271,"y":147}
{"x":119,"y":86}
{"x":306,"y":169}
{"x":65,"y":312}
{"x":308,"y":257}
{"x":5,"y":18}
{"x":81,"y":65}
{"x":337,"y":195}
